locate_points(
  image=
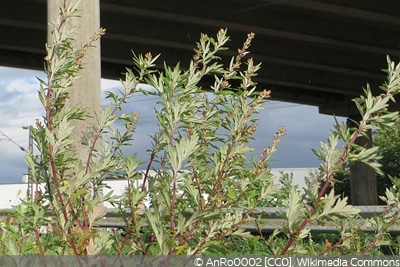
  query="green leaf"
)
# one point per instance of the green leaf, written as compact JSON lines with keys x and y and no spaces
{"x":336,"y":207}
{"x":158,"y":229}
{"x":293,"y":209}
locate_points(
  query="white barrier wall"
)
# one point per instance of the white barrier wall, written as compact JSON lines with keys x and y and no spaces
{"x":298,"y":174}
{"x":10,"y":194}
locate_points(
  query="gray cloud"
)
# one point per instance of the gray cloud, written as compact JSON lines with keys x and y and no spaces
{"x":305,"y":128}
{"x":19,"y":106}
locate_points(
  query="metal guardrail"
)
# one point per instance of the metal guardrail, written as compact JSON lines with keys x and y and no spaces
{"x":270,"y":220}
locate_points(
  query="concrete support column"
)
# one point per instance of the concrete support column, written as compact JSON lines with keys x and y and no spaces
{"x":363,"y":185}
{"x":86,"y":90}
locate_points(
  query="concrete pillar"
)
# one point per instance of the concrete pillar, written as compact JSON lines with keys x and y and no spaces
{"x":363,"y":185}
{"x":86,"y":90}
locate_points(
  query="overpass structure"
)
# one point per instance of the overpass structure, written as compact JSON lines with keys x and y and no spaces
{"x":319,"y":53}
{"x":314,"y":52}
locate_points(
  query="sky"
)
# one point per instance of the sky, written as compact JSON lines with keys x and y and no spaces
{"x":20,"y":106}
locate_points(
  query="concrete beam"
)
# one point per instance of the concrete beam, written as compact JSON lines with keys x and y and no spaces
{"x":363,"y":185}
{"x":86,"y":91}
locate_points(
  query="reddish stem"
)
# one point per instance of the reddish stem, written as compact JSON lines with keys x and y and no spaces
{"x":37,"y":236}
{"x":379,"y":236}
{"x":324,"y":187}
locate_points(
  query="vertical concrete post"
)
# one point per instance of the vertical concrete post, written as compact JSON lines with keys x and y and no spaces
{"x":86,"y":90}
{"x":363,"y":184}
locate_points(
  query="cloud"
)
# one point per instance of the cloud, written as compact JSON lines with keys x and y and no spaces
{"x":305,"y":128}
{"x":18,"y":96}
{"x":19,"y":106}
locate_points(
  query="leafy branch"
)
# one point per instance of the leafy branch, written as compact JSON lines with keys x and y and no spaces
{"x":375,"y":114}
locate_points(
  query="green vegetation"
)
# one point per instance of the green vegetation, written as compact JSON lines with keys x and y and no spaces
{"x":388,"y":141}
{"x":206,"y":185}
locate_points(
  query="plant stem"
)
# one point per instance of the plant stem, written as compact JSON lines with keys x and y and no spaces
{"x":37,"y":236}
{"x":329,"y":178}
{"x":394,"y":219}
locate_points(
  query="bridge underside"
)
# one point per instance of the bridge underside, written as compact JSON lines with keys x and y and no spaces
{"x":319,"y":53}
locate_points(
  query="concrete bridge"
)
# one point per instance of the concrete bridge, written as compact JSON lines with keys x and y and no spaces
{"x":319,"y":53}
